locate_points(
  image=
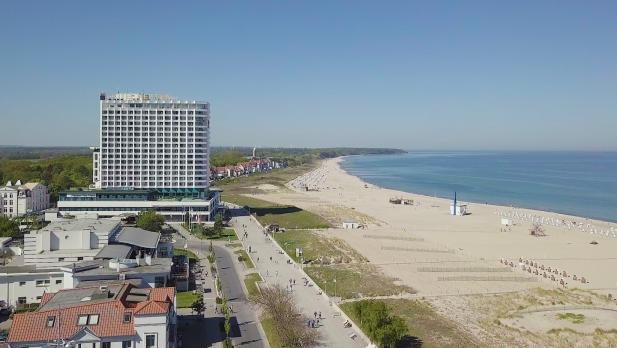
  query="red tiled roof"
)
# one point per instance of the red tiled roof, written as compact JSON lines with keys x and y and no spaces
{"x":32,"y":327}
{"x":46,"y":297}
{"x":151,"y":307}
{"x":162,"y":294}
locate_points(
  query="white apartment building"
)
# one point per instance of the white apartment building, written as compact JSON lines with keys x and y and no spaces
{"x":101,"y":316}
{"x":26,"y":284}
{"x":19,"y":199}
{"x":150,"y":141}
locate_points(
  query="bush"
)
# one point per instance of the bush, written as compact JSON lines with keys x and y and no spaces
{"x":218,"y":300}
{"x":240,"y":258}
{"x":149,"y":220}
{"x":380,"y":326}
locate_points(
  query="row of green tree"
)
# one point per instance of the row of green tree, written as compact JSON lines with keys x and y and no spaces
{"x":376,"y":321}
{"x":57,"y":173}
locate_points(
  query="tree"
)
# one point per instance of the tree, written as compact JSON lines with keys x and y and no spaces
{"x":289,"y":323}
{"x":198,"y":305}
{"x":149,"y":220}
{"x":6,"y":254}
{"x":218,"y":224}
{"x":8,"y":227}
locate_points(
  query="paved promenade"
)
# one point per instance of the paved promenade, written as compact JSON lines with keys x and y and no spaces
{"x":275,"y":269}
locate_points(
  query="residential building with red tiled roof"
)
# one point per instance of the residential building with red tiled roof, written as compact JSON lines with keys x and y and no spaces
{"x":110,"y":316}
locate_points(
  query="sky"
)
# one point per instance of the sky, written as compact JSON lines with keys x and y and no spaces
{"x":468,"y":75}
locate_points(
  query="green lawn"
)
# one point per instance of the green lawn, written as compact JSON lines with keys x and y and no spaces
{"x":227,"y":234}
{"x":190,"y":254}
{"x":354,"y":280}
{"x":425,"y":324}
{"x":186,"y":298}
{"x":286,"y":216}
{"x":250,"y":280}
{"x":273,"y":338}
{"x":245,"y":258}
{"x":315,"y":246}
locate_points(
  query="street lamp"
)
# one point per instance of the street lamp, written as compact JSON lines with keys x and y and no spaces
{"x":334,"y":287}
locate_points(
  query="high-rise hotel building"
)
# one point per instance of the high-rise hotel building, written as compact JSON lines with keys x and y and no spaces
{"x":153,"y":154}
{"x":153,"y":142}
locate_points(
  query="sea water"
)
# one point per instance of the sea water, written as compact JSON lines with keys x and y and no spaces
{"x":575,"y":183}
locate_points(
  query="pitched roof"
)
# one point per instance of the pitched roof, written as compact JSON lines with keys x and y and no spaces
{"x":139,"y":237}
{"x":151,"y":307}
{"x":32,"y":327}
{"x":163,"y":294}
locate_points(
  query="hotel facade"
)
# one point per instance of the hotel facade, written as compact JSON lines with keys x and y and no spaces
{"x":153,"y":154}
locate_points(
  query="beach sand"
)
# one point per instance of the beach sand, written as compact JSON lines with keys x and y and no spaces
{"x":437,"y":254}
{"x":456,"y":263}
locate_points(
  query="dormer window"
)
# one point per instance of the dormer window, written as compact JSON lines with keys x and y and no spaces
{"x":51,"y":321}
{"x":88,"y":319}
{"x":127,"y":317}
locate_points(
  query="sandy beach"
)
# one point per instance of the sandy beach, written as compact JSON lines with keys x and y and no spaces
{"x":426,"y":248}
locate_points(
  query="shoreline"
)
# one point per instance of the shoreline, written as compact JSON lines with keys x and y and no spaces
{"x":427,"y":248}
{"x":338,"y":161}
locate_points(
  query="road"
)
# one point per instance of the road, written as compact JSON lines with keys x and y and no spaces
{"x":245,"y":331}
{"x":278,"y":271}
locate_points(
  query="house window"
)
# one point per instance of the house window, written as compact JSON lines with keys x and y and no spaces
{"x":88,"y":319}
{"x":21,"y":300}
{"x":80,"y":258}
{"x":60,"y":259}
{"x":126,"y":344}
{"x":151,"y":341}
{"x":127,"y":317}
{"x":93,"y":319}
{"x":105,"y":344}
{"x":50,"y":321}
{"x":82,"y":320}
{"x":22,"y":283}
{"x":58,"y":281}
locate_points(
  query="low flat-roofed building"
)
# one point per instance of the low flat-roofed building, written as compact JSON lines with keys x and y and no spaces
{"x":67,"y":241}
{"x":173,"y":205}
{"x":152,"y":272}
{"x":102,"y":316}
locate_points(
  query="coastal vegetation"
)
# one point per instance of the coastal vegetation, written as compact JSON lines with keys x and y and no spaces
{"x":351,"y":281}
{"x":378,"y":323}
{"x":286,"y":216}
{"x":425,"y":327}
{"x":316,"y":247}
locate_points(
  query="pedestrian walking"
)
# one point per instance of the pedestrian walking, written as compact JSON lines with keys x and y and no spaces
{"x":315,"y":314}
{"x":319,"y":315}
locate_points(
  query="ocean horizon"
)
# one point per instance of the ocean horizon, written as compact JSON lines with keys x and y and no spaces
{"x":574,"y":183}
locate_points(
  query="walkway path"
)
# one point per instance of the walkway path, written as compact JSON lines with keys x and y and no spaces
{"x":278,"y":271}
